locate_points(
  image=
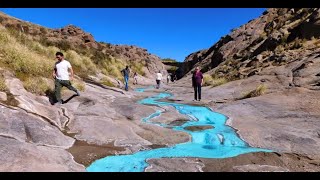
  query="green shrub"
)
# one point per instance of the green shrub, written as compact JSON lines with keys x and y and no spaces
{"x":172,"y":69}
{"x":168,"y":60}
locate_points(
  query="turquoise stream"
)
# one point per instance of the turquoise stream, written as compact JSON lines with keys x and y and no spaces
{"x":219,"y":142}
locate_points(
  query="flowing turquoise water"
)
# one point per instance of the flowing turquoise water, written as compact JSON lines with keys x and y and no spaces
{"x":219,"y":142}
{"x":143,"y":89}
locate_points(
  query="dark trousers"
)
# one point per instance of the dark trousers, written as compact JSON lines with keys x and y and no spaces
{"x":59,"y":84}
{"x":158,"y":84}
{"x":197,"y":91}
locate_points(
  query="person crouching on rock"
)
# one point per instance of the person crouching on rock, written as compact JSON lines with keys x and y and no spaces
{"x":61,"y":76}
{"x":197,"y":81}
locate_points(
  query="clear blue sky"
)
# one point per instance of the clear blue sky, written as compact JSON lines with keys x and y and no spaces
{"x":166,"y":32}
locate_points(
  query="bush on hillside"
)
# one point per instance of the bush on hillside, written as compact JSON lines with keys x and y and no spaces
{"x":260,"y":90}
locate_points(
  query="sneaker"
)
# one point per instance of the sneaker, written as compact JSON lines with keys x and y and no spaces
{"x":59,"y":103}
{"x":199,"y":100}
{"x":194,"y":100}
{"x":77,"y":93}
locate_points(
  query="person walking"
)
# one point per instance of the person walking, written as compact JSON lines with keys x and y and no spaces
{"x":126,"y":73}
{"x":197,"y":81}
{"x":62,"y":77}
{"x":158,"y":79}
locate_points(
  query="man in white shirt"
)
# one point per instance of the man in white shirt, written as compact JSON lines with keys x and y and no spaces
{"x":158,"y":79}
{"x":61,"y":76}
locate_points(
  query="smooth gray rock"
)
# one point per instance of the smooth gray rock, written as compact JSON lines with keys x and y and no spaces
{"x":18,"y":156}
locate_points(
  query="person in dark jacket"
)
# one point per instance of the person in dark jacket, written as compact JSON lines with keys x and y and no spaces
{"x":126,"y":73}
{"x":197,"y":81}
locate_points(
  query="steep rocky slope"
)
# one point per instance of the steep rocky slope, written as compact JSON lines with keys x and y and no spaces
{"x":276,"y":38}
{"x":280,"y":50}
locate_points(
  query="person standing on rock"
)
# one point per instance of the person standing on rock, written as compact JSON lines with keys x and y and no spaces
{"x":168,"y":78}
{"x":158,"y":79}
{"x":135,"y":78}
{"x":126,"y":73}
{"x":197,"y":81}
{"x":61,"y":76}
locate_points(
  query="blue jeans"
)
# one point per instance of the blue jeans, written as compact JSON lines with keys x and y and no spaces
{"x":126,"y":81}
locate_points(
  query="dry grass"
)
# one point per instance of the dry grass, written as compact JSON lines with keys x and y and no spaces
{"x":137,"y":67}
{"x":107,"y":82}
{"x":11,"y":100}
{"x":112,"y":67}
{"x":207,"y":80}
{"x":36,"y":85}
{"x":81,"y":64}
{"x":210,"y":81}
{"x":36,"y":59}
{"x":219,"y":81}
{"x":79,"y":85}
{"x":280,"y":49}
{"x":260,"y":90}
{"x":317,"y":43}
{"x":39,"y":48}
{"x":31,"y":58}
{"x":51,"y":51}
{"x":22,"y":59}
{"x":3,"y":86}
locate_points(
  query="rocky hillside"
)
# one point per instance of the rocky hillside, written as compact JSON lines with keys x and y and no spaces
{"x":73,"y":38}
{"x":172,"y":66}
{"x":277,"y":38}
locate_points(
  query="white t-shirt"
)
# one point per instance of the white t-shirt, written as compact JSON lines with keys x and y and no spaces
{"x":62,"y":72}
{"x":159,"y":76}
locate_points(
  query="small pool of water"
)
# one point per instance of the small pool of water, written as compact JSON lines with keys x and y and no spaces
{"x":143,"y":89}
